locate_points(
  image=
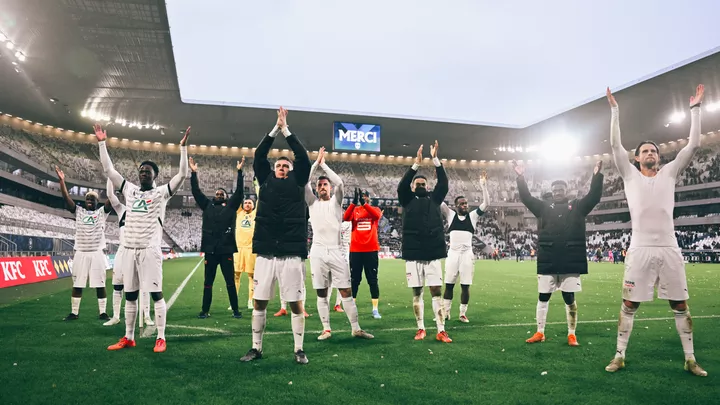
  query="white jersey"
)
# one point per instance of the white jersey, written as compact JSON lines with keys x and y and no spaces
{"x":90,"y":229}
{"x":346,"y":235}
{"x":326,"y":220}
{"x":121,"y":211}
{"x":144,"y":216}
{"x":460,"y":239}
{"x":651,"y":200}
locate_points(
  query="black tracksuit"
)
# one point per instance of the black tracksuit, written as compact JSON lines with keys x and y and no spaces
{"x":218,"y":239}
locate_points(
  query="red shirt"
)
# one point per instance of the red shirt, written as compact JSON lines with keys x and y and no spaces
{"x":364,"y":236}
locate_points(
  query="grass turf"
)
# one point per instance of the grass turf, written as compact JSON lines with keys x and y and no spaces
{"x":46,"y":360}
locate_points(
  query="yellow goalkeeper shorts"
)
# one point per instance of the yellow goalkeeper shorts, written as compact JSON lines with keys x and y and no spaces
{"x":244,"y":261}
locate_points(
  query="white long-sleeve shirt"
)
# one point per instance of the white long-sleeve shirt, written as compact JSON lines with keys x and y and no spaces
{"x":651,"y":200}
{"x":145,"y":208}
{"x":117,"y":206}
{"x":326,"y":216}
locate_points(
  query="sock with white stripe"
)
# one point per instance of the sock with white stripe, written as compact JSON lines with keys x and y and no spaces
{"x":75,"y":307}
{"x":117,"y":303}
{"x":541,"y":315}
{"x":298,"y":328}
{"x":625,"y":326}
{"x":352,"y":312}
{"x":160,"y":317}
{"x":258,"y":328}
{"x":439,"y":311}
{"x":130,"y":318}
{"x":419,"y":309}
{"x":683,"y":323}
{"x":102,"y":305}
{"x":323,"y":308}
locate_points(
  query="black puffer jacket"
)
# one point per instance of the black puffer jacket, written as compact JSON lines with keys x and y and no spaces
{"x":218,"y":226}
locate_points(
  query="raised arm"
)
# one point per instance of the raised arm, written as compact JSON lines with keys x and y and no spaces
{"x":200,"y":198}
{"x":486,"y":195}
{"x":237,"y":198}
{"x":348,"y":216}
{"x":69,"y":203}
{"x":442,"y":187}
{"x":309,"y":195}
{"x":587,"y":203}
{"x":114,"y":201}
{"x":685,"y":155}
{"x":374,"y":212}
{"x":110,"y":172}
{"x":533,"y":204}
{"x":620,"y":155}
{"x":335,"y":180}
{"x":404,"y":191}
{"x":177,"y":180}
{"x":445,"y":210}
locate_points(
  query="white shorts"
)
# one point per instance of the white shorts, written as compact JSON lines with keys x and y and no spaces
{"x":425,"y":273}
{"x":89,"y":266}
{"x":141,"y":269}
{"x":549,"y":283}
{"x":329,"y":267}
{"x":289,"y":272}
{"x":117,"y":275}
{"x":648,"y":268}
{"x":459,"y":264}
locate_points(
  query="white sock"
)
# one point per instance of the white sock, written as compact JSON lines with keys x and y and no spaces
{"x":338,"y":299}
{"x":323,"y":308}
{"x":627,"y":315}
{"x":419,"y":309}
{"x":439,"y":311}
{"x":463,"y":309}
{"x":130,"y":318}
{"x":447,"y":304}
{"x":541,"y":315}
{"x":117,"y":304}
{"x":283,"y":305}
{"x":351,"y":312}
{"x":572,"y":314}
{"x":258,"y":328}
{"x":146,"y":305}
{"x":298,"y":328}
{"x":160,"y":318}
{"x":102,"y":305}
{"x":75,"y":305}
{"x":683,"y":323}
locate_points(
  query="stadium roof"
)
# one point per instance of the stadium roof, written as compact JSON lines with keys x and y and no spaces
{"x":115,"y":59}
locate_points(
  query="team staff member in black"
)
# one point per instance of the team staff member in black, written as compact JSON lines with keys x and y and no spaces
{"x":423,"y":239}
{"x":280,"y":238}
{"x":218,"y":237}
{"x":561,"y":245}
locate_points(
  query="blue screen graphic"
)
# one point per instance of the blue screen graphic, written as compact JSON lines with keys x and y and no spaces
{"x":356,"y":137}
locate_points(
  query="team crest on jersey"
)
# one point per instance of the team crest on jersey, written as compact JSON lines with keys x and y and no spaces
{"x":245,"y":223}
{"x":141,"y":205}
{"x":90,"y":219}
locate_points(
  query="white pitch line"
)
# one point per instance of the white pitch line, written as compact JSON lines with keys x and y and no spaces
{"x":500,"y":325}
{"x":150,"y":330}
{"x":217,"y":330}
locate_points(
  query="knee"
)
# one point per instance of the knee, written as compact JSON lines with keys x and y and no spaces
{"x":629,"y":308}
{"x":118,"y":287}
{"x":156,"y":296}
{"x":449,"y":287}
{"x":568,"y":297}
{"x":465,"y":288}
{"x":678,"y":306}
{"x":132,"y":295}
{"x":544,"y":297}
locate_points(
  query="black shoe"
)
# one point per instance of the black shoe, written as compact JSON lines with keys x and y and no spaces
{"x":71,"y":317}
{"x":237,"y":314}
{"x":300,"y":357}
{"x":204,"y":315}
{"x":104,"y":317}
{"x":252,"y":354}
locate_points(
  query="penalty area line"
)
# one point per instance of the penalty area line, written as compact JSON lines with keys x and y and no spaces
{"x":150,"y":330}
{"x":500,"y":325}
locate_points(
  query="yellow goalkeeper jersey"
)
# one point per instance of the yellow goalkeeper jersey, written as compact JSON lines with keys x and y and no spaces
{"x":245,"y":224}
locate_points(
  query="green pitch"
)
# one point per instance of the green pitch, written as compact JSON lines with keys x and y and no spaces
{"x":45,"y":360}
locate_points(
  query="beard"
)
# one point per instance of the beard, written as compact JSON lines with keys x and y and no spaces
{"x":218,"y":201}
{"x":421,"y":192}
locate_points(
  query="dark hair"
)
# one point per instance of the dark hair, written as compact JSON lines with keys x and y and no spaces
{"x":223,"y":190}
{"x":151,"y":164}
{"x":365,"y":192}
{"x":637,"y":151}
{"x":458,"y":197}
{"x":324,"y":178}
{"x":284,"y":158}
{"x":559,"y":182}
{"x":419,"y":176}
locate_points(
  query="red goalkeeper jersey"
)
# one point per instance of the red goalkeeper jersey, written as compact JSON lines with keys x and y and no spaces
{"x":365,"y":219}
